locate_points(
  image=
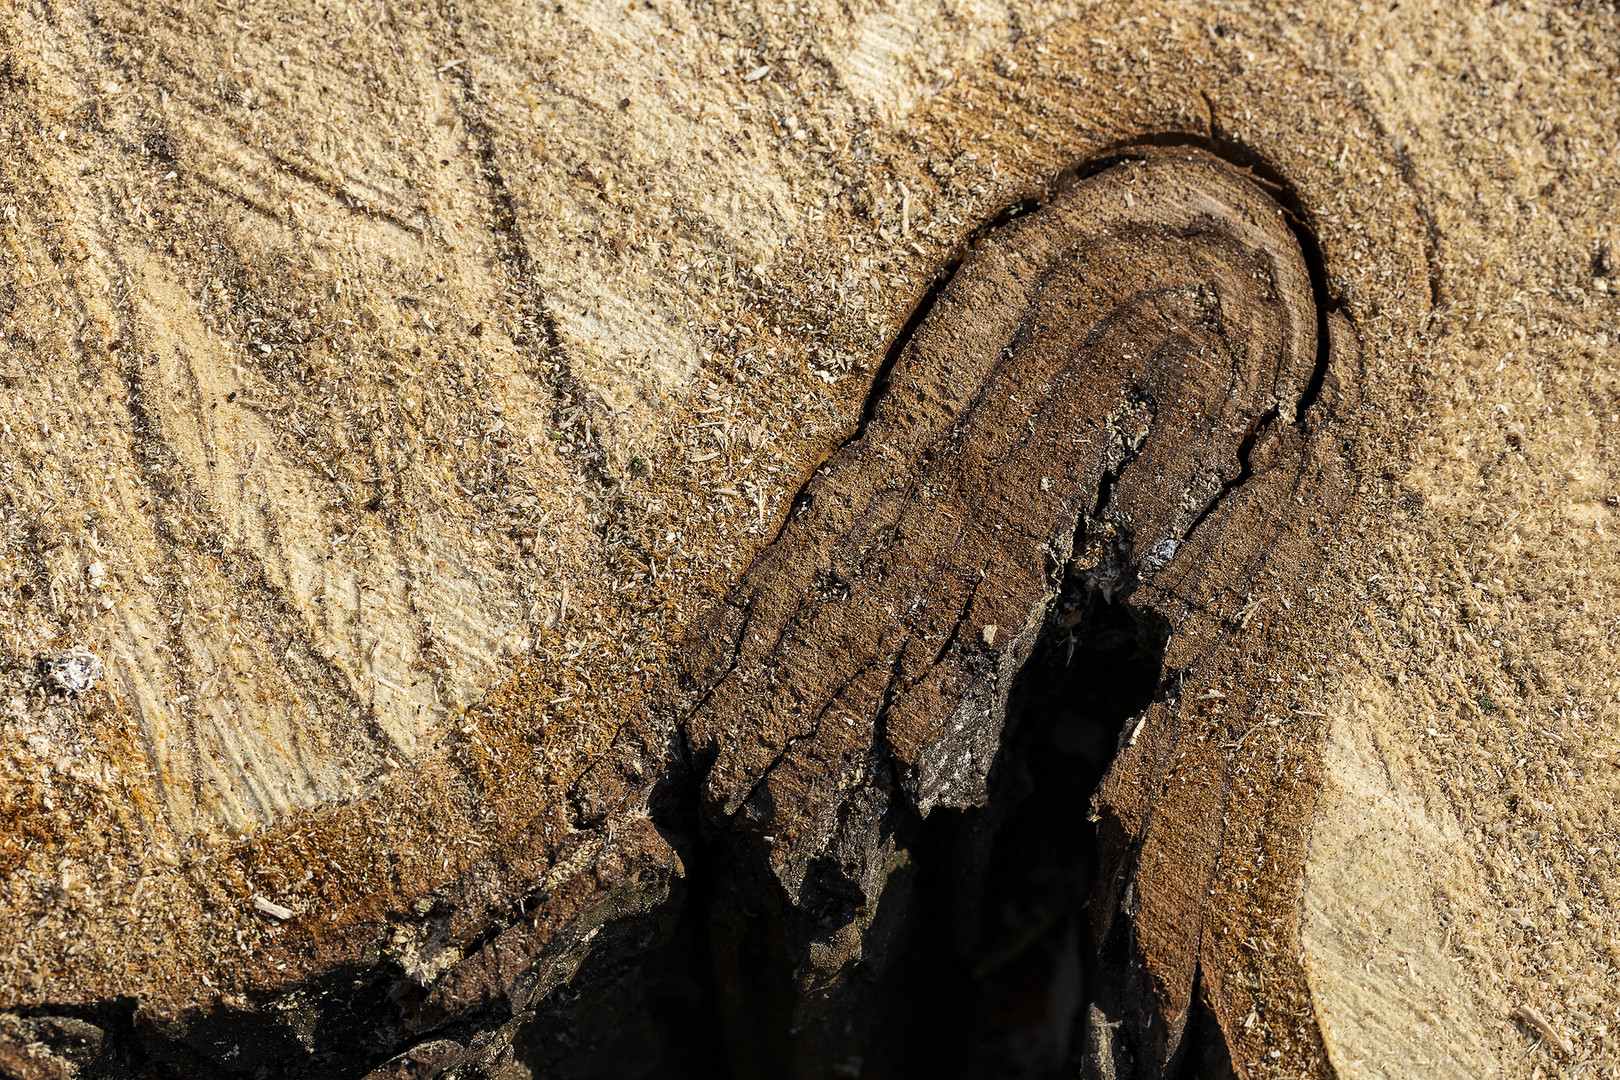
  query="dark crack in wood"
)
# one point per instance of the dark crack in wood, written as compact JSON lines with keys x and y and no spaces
{"x":1131,"y":387}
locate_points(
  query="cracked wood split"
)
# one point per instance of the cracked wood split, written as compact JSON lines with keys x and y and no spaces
{"x":1132,"y":386}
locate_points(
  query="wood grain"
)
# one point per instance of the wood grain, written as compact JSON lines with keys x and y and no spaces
{"x":688,"y":293}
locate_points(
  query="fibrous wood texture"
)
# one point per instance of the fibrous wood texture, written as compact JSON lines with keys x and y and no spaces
{"x":1123,"y":388}
{"x":389,"y":389}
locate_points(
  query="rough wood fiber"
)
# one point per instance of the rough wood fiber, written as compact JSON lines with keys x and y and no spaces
{"x":1123,"y":386}
{"x":737,"y":249}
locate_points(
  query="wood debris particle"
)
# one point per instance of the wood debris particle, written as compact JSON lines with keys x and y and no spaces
{"x":271,"y":908}
{"x":1528,"y":1016}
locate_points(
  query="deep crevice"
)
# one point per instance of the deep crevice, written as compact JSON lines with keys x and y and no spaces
{"x":650,"y":1011}
{"x":1000,"y":967}
{"x":994,"y":972}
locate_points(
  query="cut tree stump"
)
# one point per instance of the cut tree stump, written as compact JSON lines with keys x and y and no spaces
{"x":655,"y":539}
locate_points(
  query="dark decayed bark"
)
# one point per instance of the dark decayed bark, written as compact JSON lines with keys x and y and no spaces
{"x":1122,"y":396}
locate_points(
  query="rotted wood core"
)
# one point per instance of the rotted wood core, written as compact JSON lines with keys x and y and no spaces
{"x":1036,"y":560}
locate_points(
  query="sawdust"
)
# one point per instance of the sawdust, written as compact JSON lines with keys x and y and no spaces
{"x":416,"y":374}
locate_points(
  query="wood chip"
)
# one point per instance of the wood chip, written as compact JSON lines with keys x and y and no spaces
{"x":271,"y":908}
{"x":1528,"y":1016}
